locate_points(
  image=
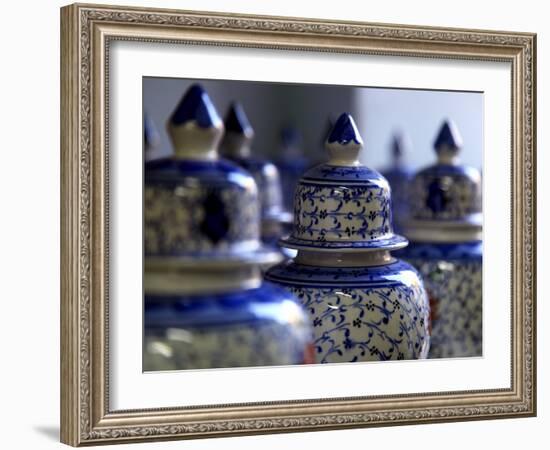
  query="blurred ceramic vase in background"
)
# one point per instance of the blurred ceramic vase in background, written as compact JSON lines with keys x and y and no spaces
{"x":445,"y":232}
{"x":363,"y":304}
{"x":206,"y":305}
{"x":236,"y":146}
{"x":399,"y":176}
{"x":291,"y":163}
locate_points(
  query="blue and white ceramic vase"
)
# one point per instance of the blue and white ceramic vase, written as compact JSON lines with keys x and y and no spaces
{"x":206,"y":305}
{"x":364,"y":304}
{"x":399,"y":175}
{"x":445,"y":232}
{"x":236,"y":146}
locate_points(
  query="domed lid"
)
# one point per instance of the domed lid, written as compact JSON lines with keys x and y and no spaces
{"x":343,"y":205}
{"x":445,"y":198}
{"x":199,"y":207}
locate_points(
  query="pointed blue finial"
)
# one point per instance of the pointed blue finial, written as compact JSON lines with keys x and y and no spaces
{"x":195,"y":126}
{"x":236,"y":121}
{"x":400,"y":145}
{"x":344,"y":142}
{"x":448,"y":138}
{"x":238,"y":133}
{"x":196,"y":106}
{"x":344,"y":131}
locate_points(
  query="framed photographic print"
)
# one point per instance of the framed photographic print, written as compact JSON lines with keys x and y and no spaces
{"x":277,"y":224}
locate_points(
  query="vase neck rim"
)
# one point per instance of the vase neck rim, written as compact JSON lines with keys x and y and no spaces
{"x":344,"y":259}
{"x":194,"y":281}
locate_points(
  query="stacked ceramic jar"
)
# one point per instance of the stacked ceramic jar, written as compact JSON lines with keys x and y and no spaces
{"x":363,"y":304}
{"x":399,"y":176}
{"x":445,"y":232}
{"x":205,"y":302}
{"x":236,"y":146}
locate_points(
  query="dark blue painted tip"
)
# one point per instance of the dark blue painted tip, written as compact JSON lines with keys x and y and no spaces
{"x":344,"y":131}
{"x":448,"y":136}
{"x":236,"y":120}
{"x":196,"y":106}
{"x":397,"y":146}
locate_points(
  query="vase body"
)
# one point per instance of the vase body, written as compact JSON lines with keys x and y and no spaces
{"x":452,"y":276}
{"x":363,"y":304}
{"x":375,"y":313}
{"x":261,"y":326}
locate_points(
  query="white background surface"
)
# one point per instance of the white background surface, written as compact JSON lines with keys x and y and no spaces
{"x":29,"y":179}
{"x":132,"y":389}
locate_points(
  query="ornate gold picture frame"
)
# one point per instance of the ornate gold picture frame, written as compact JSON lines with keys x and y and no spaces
{"x":87,"y":32}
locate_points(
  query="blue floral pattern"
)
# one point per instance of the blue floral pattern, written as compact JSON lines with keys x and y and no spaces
{"x":347,"y":174}
{"x":337,"y":213}
{"x":361,"y":313}
{"x":445,"y":193}
{"x":256,"y":344}
{"x":452,"y":276}
{"x":180,"y":219}
{"x":258,"y":327}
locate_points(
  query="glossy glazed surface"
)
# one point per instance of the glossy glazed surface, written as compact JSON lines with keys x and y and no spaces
{"x":452,"y":276}
{"x":204,"y":209}
{"x":266,"y":176}
{"x":447,"y":190}
{"x":256,"y":327}
{"x":372,"y":313}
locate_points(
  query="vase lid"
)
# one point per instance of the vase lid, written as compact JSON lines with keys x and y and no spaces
{"x":200,"y":208}
{"x":445,"y":198}
{"x":343,"y":205}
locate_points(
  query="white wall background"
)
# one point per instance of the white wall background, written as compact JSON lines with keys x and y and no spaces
{"x":29,"y":229}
